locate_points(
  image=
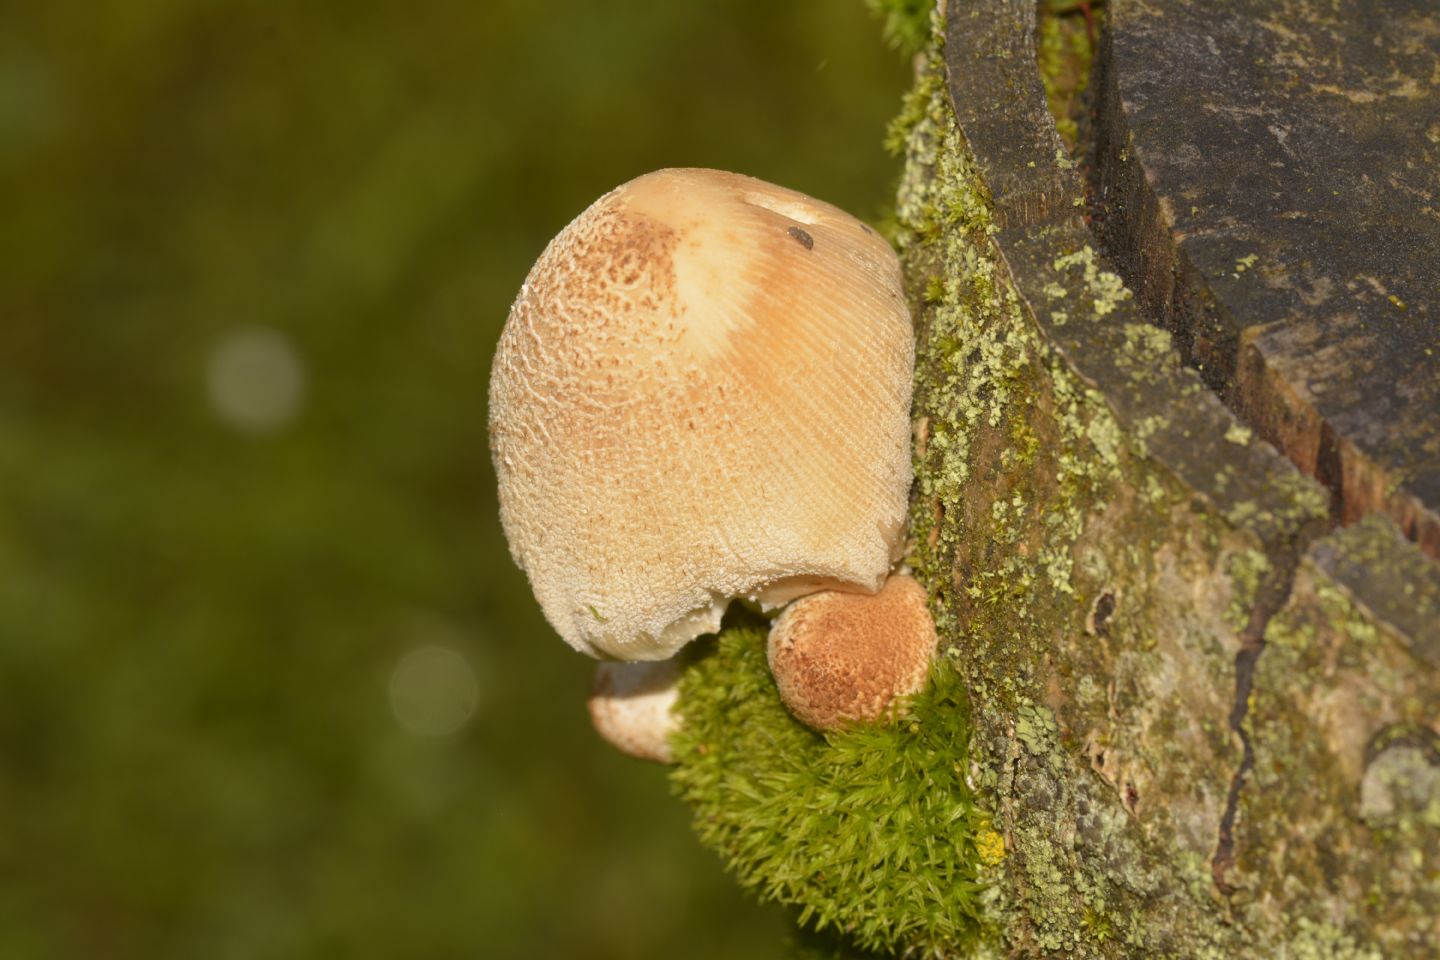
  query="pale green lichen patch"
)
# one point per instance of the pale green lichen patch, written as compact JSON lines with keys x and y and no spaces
{"x":1341,"y":722}
{"x":1105,"y":287}
{"x":1401,"y":787}
{"x":1050,"y":544}
{"x":1239,"y":434}
{"x":1314,"y":940}
{"x":1146,"y":354}
{"x":1247,"y":570}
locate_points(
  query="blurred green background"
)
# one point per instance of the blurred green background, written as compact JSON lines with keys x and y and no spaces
{"x":270,"y":685}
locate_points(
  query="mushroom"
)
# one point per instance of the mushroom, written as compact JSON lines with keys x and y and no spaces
{"x":702,"y":392}
{"x":631,"y":706}
{"x":840,"y":659}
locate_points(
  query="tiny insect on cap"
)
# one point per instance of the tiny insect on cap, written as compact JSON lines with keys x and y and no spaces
{"x":702,"y":392}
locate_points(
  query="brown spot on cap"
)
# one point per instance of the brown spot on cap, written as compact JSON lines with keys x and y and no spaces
{"x":806,"y":241}
{"x":843,"y":658}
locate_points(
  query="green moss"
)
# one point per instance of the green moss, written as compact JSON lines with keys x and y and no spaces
{"x":872,"y":833}
{"x":915,"y":108}
{"x":906,"y":22}
{"x":1065,"y":47}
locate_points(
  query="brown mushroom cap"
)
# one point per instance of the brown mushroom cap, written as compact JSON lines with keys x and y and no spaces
{"x":631,"y":706}
{"x":842,"y":658}
{"x":702,"y":392}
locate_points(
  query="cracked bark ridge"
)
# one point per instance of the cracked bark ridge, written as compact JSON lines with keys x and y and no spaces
{"x":1268,"y":177}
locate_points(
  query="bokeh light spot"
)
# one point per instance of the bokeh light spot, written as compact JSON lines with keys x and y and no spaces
{"x":433,"y":691}
{"x":256,"y":379}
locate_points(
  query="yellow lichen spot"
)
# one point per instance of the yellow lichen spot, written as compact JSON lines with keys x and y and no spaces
{"x":1238,"y":434}
{"x":990,"y":845}
{"x":1106,"y":287}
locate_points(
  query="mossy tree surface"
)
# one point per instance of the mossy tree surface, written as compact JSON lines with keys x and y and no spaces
{"x":1107,"y":551}
{"x":1099,"y":603}
{"x":1338,"y":838}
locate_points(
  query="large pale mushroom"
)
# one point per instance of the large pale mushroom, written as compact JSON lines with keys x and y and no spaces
{"x":702,"y":392}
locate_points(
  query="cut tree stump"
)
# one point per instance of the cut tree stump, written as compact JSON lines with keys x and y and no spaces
{"x":1269,"y":185}
{"x":1205,"y":703}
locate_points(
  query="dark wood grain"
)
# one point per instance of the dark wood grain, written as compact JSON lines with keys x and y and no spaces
{"x":1268,"y":181}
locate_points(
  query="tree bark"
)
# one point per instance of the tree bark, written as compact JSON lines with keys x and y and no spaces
{"x":1205,"y":717}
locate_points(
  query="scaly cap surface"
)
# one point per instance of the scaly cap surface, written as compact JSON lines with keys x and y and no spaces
{"x":702,"y":392}
{"x":841,"y":658}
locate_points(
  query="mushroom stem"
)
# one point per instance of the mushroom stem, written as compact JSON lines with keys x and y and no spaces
{"x":631,"y":706}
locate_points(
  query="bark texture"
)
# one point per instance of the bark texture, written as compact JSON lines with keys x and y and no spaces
{"x":1205,"y":720}
{"x":1269,"y":178}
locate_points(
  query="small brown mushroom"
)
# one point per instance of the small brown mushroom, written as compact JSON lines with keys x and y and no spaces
{"x":631,"y":706}
{"x":842,"y":658}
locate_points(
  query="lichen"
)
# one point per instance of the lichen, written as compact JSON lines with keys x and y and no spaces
{"x":1247,"y":570}
{"x":1323,"y":941}
{"x":1105,"y":286}
{"x":982,"y":371}
{"x":982,"y":366}
{"x":1342,"y":726}
{"x":1033,"y":502}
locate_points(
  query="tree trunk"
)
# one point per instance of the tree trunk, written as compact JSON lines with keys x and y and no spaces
{"x":1205,"y":715}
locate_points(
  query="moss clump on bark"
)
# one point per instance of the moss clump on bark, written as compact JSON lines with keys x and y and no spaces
{"x":906,"y":22}
{"x":872,"y":833}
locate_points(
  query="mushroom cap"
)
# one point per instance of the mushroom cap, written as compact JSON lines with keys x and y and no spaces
{"x":631,"y":706}
{"x":841,"y":658}
{"x":702,"y":392}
